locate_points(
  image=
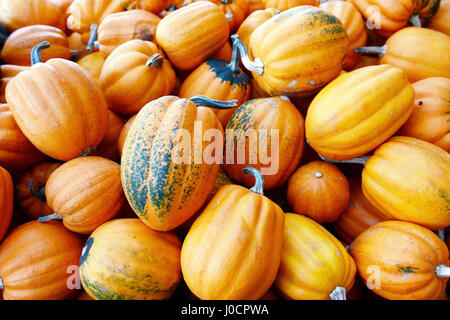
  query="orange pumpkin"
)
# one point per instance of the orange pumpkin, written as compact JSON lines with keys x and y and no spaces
{"x":192,"y":34}
{"x":319,"y":190}
{"x":108,"y":147}
{"x":101,"y":197}
{"x":235,"y":11}
{"x":430,"y":120}
{"x":20,"y":43}
{"x":267,"y":133}
{"x":58,"y":106}
{"x":439,"y":21}
{"x":124,"y":133}
{"x":253,"y":21}
{"x":254,"y":5}
{"x":284,"y":5}
{"x":38,"y":261}
{"x":402,"y":261}
{"x":314,"y":264}
{"x":6,"y":201}
{"x":359,"y":215}
{"x":241,"y":233}
{"x":7,"y":72}
{"x":153,"y":6}
{"x":30,"y":190}
{"x":16,"y":151}
{"x":93,"y":63}
{"x":120,"y":27}
{"x":135,"y":74}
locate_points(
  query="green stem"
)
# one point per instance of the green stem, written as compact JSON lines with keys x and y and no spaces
{"x":36,"y":52}
{"x":93,"y":37}
{"x":155,"y":60}
{"x":226,"y":1}
{"x":338,"y":294}
{"x":40,"y":193}
{"x":53,"y":216}
{"x":414,"y":20}
{"x":256,"y":65}
{"x":380,"y":51}
{"x":88,"y":151}
{"x":259,"y":180}
{"x":216,"y":104}
{"x":360,"y":160}
{"x":233,"y":66}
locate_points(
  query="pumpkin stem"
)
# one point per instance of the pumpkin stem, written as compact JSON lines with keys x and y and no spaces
{"x":226,"y":1}
{"x":2,"y":285}
{"x":259,"y":180}
{"x":441,"y":234}
{"x":171,"y":8}
{"x":87,"y":152}
{"x":155,"y":60}
{"x":229,"y":16}
{"x":380,"y":51}
{"x":40,"y":193}
{"x":442,"y":271}
{"x":360,"y":160}
{"x":94,"y":33}
{"x":415,"y":20}
{"x":338,"y":294}
{"x":216,"y":104}
{"x":233,"y":66}
{"x":256,"y":65}
{"x":36,"y":52}
{"x":53,"y":216}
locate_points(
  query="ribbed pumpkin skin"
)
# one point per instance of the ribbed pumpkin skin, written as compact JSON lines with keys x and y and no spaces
{"x":215,"y":80}
{"x":35,"y":259}
{"x":18,"y":14}
{"x":30,"y":205}
{"x":18,"y":47}
{"x":255,"y":5}
{"x":238,"y":8}
{"x":118,"y":28}
{"x":253,"y":21}
{"x":59,"y":107}
{"x":124,"y":133}
{"x":86,"y":200}
{"x":232,"y":250}
{"x":16,"y":152}
{"x":439,"y":21}
{"x":318,"y":190}
{"x":108,"y":147}
{"x":154,"y":6}
{"x":165,"y":194}
{"x":93,"y":63}
{"x":354,"y":26}
{"x":224,"y":53}
{"x":7,"y":72}
{"x":275,"y":113}
{"x":283,"y":5}
{"x":192,"y":34}
{"x":302,"y":49}
{"x":359,"y":215}
{"x":313,"y":261}
{"x":128,"y":83}
{"x":358,"y":111}
{"x":6,"y":201}
{"x":125,"y":260}
{"x":406,"y":255}
{"x":419,"y":52}
{"x":430,"y":120}
{"x":425,"y":198}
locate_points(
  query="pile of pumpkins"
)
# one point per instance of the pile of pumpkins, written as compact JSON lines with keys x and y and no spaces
{"x":93,"y":94}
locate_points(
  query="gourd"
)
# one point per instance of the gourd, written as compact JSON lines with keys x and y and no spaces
{"x":93,"y":63}
{"x":253,"y":21}
{"x":6,"y":201}
{"x":7,"y":72}
{"x":235,"y":10}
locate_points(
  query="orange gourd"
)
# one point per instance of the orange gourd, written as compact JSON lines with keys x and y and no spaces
{"x":93,"y":63}
{"x":439,"y":21}
{"x":6,"y":201}
{"x":284,"y":5}
{"x":253,"y":21}
{"x":235,"y":11}
{"x":224,"y":53}
{"x":153,"y":6}
{"x":108,"y":147}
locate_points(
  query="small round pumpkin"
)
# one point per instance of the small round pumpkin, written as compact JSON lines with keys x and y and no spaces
{"x":58,"y":106}
{"x":153,"y":6}
{"x":409,"y":261}
{"x":241,"y":233}
{"x":268,"y":134}
{"x":358,"y":111}
{"x":439,"y":21}
{"x":284,"y":5}
{"x":37,"y":261}
{"x":192,"y":34}
{"x":124,"y":259}
{"x":30,"y":190}
{"x":108,"y":147}
{"x":314,"y":264}
{"x":253,"y":21}
{"x":18,"y":47}
{"x":124,"y":133}
{"x":318,"y":190}
{"x":84,"y":201}
{"x":93,"y":63}
{"x":430,"y":120}
{"x":135,"y":74}
{"x":6,"y":201}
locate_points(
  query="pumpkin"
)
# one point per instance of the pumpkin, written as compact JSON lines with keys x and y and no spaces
{"x":7,"y":72}
{"x":424,"y":199}
{"x":235,"y":10}
{"x":439,"y":21}
{"x":30,"y":190}
{"x":164,"y":187}
{"x":284,"y":5}
{"x":358,"y":111}
{"x":225,"y":53}
{"x":18,"y":47}
{"x":6,"y":201}
{"x":253,"y":21}
{"x":418,"y":51}
{"x":314,"y":264}
{"x":219,"y":80}
{"x":123,"y":259}
{"x":241,"y":233}
{"x":58,"y":106}
{"x":108,"y":147}
{"x":297,"y":51}
{"x":254,"y":5}
{"x":120,"y":27}
{"x":16,"y":151}
{"x":4,"y":34}
{"x":354,"y":26}
{"x":257,"y":92}
{"x":358,"y":216}
{"x":318,"y":190}
{"x":124,"y":133}
{"x":267,"y":133}
{"x":84,"y":201}
{"x":17,"y":14}
{"x":93,"y":63}
{"x":37,"y":261}
{"x":411,"y":261}
{"x":192,"y":34}
{"x":430,"y":120}
{"x":139,"y":69}
{"x":153,"y":6}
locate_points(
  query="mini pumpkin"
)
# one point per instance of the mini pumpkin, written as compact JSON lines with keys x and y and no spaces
{"x":284,"y":5}
{"x":6,"y":201}
{"x":254,"y":5}
{"x":153,"y":6}
{"x":7,"y":72}
{"x":235,"y":10}
{"x":93,"y":63}
{"x":253,"y":21}
{"x":108,"y":147}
